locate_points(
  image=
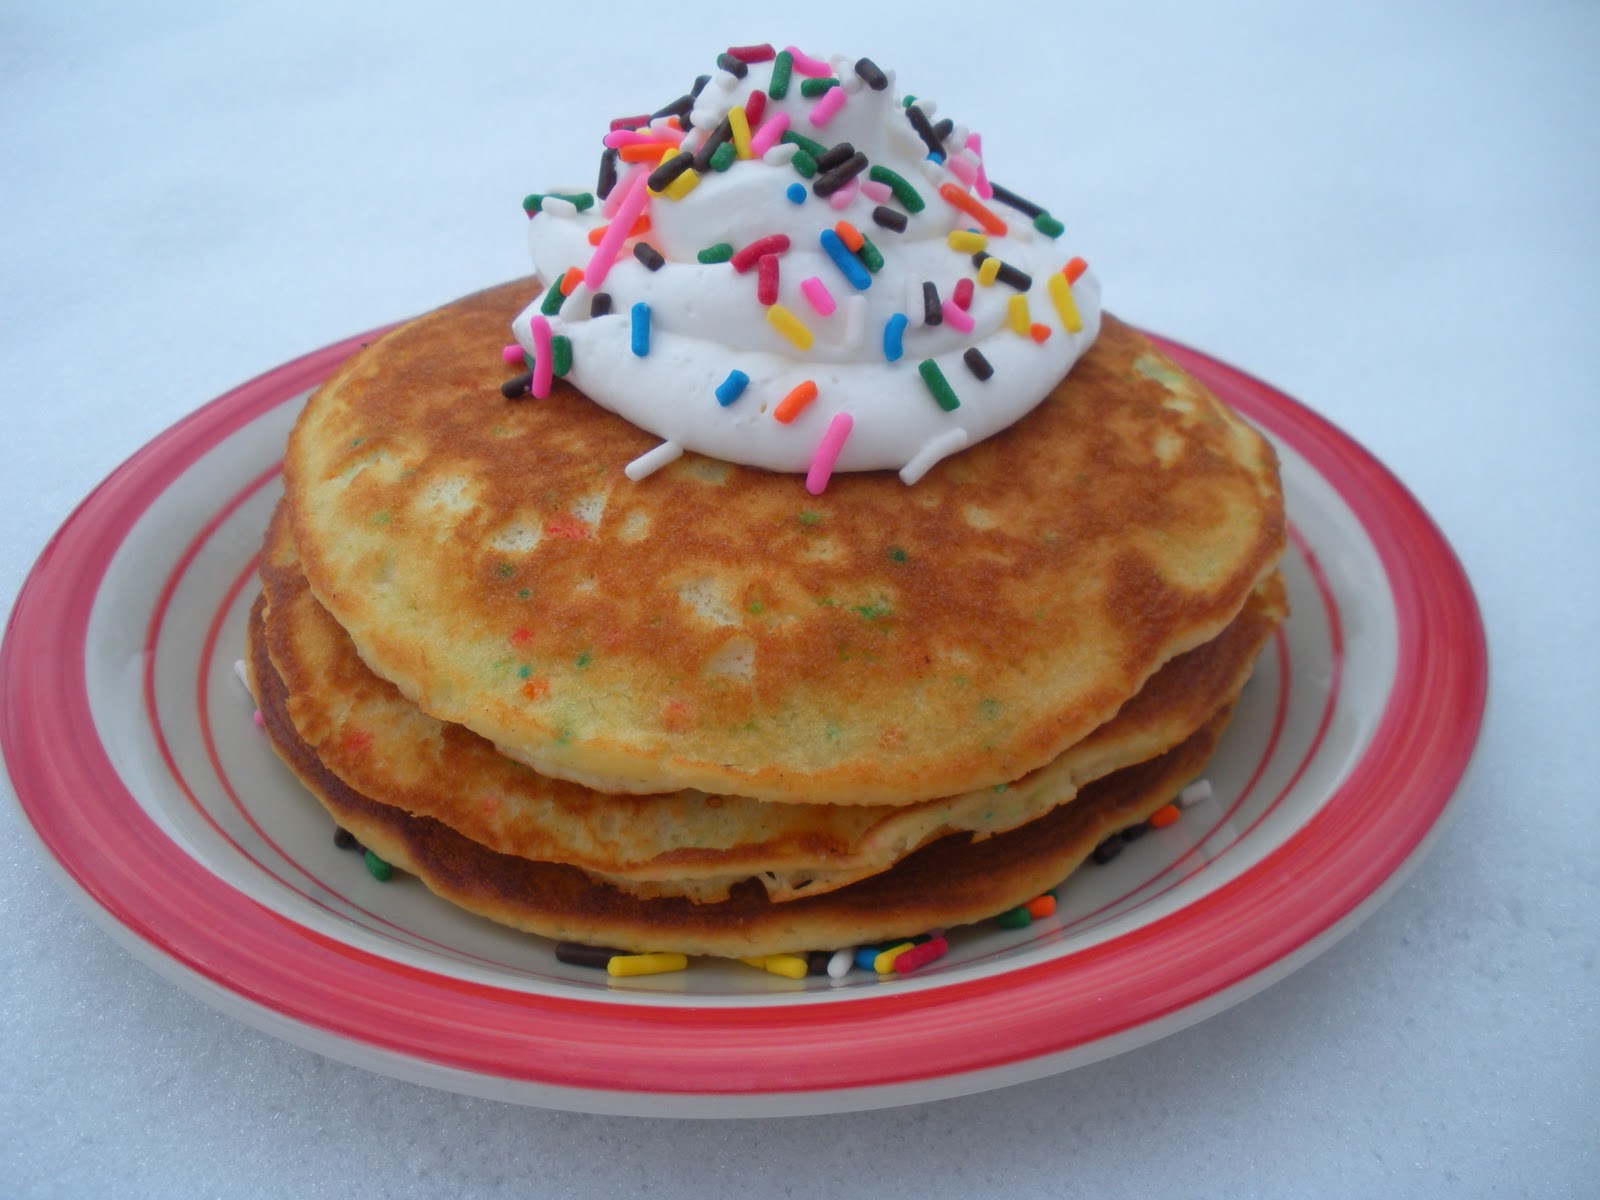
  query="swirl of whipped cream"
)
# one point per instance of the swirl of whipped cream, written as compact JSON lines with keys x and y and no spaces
{"x":820,"y":357}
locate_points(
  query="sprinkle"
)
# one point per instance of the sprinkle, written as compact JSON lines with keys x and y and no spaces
{"x":1039,"y":333}
{"x":652,"y":461}
{"x":719,"y":253}
{"x":841,"y":961}
{"x":786,"y":323}
{"x":678,"y":108}
{"x":932,"y":310}
{"x":754,"y":107}
{"x":964,"y":167}
{"x":1134,"y":832}
{"x":817,"y":293}
{"x":836,"y":177}
{"x":977,"y":363}
{"x":827,"y":108}
{"x":985,"y":217}
{"x":753,"y":54}
{"x":543,"y":368}
{"x":1014,"y":918}
{"x":910,"y":199}
{"x":802,"y":162}
{"x":580,"y":201}
{"x":938,"y":385}
{"x":841,"y":199}
{"x":1017,"y":316}
{"x":1048,"y":225}
{"x":806,"y":65}
{"x":575,"y":954}
{"x":641,"y":329}
{"x":865,"y":954}
{"x":766,"y":137}
{"x":848,"y":264}
{"x":724,"y":157}
{"x":600,"y":306}
{"x":649,"y":150}
{"x":1164,"y":816}
{"x":812,"y":88}
{"x":921,"y":956}
{"x":1066,"y":308}
{"x":793,"y":404}
{"x":1007,"y":197}
{"x":925,"y":131}
{"x":1074,"y":269}
{"x":933,"y":451}
{"x":511,"y":354}
{"x":767,"y":279}
{"x":774,"y":243}
{"x":982,"y":186}
{"x":516,"y":386}
{"x":1197,"y":792}
{"x":834,"y":155}
{"x":629,"y":122}
{"x":871,"y":256}
{"x":1012,"y":277}
{"x":552,"y":300}
{"x":989,"y":271}
{"x":739,"y":121}
{"x":822,"y":462}
{"x":649,"y":256}
{"x":888,"y":217}
{"x":849,"y":235}
{"x":966,"y":241}
{"x":560,"y":355}
{"x":618,"y":138}
{"x":608,"y":174}
{"x":346,"y":840}
{"x":796,"y":193}
{"x":883,"y":964}
{"x":855,"y":321}
{"x":877,"y":192}
{"x":731,"y":388}
{"x":634,"y":199}
{"x":957,"y":318}
{"x":646,"y":964}
{"x":871,"y":74}
{"x":815,"y":149}
{"x":962,"y":295}
{"x":790,"y":966}
{"x":715,"y":140}
{"x":893,"y":337}
{"x":781,"y":66}
{"x":1107,"y":850}
{"x":376,"y":867}
{"x":733,"y":66}
{"x":1041,"y":906}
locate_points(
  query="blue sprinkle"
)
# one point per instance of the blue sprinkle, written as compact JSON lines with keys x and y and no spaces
{"x":936,"y":157}
{"x":641,"y":329}
{"x":866,"y":955}
{"x":731,"y":388}
{"x":893,"y":333}
{"x":848,"y":263}
{"x":796,"y":193}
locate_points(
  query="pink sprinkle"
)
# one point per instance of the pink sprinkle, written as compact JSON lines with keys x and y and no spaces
{"x":619,"y":191}
{"x":767,"y":136}
{"x":605,"y":254}
{"x":828,"y":453}
{"x":956,"y":317}
{"x":511,"y":354}
{"x":632,"y":137}
{"x":964,"y":167}
{"x":261,"y":722}
{"x":982,"y":187}
{"x":543,"y":370}
{"x":767,"y":279}
{"x":878,"y":193}
{"x":841,"y":199}
{"x":826,"y":108}
{"x":804,"y":64}
{"x":821,"y":298}
{"x":962,"y":293}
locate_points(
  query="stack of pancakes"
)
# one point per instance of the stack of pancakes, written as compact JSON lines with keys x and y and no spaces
{"x":709,"y":712}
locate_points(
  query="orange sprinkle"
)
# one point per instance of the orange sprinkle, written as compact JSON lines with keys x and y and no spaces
{"x":1039,"y":333}
{"x":794,"y":403}
{"x":572,"y":278}
{"x":598,"y":232}
{"x":536,"y":688}
{"x":983,"y":216}
{"x":649,"y":152}
{"x":1074,"y":269}
{"x":850,"y":236}
{"x":1041,"y":906}
{"x":521,"y":637}
{"x":1164,"y":817}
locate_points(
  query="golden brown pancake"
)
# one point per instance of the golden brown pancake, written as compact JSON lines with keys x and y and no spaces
{"x":687,"y":843}
{"x":952,"y":881}
{"x":716,"y":627}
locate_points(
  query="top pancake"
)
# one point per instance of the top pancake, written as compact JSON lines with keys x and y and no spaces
{"x":717,"y":627}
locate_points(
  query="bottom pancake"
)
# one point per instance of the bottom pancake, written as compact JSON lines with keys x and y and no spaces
{"x":953,"y":881}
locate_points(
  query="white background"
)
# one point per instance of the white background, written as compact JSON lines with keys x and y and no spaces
{"x":1389,"y":210}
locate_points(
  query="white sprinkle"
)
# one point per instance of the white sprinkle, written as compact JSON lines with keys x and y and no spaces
{"x":855,"y":321}
{"x":557,"y":206}
{"x":841,"y":962}
{"x":934,"y":171}
{"x":934,"y":449}
{"x":1196,"y":793}
{"x":958,"y":136}
{"x":652,"y":461}
{"x":726,"y":80}
{"x":928,"y":107}
{"x":845,"y":72}
{"x":780,"y":154}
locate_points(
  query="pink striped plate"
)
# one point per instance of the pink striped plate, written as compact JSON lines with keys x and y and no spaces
{"x":131,"y":750}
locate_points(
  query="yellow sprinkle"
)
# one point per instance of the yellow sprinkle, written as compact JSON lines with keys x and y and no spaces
{"x":987,"y":272}
{"x":646,"y":964}
{"x":1066,"y":307}
{"x":741,"y":131}
{"x":682,"y":185}
{"x":1017,"y":314}
{"x":790,"y":966}
{"x":884,"y":963}
{"x":792,"y":327}
{"x":966,"y":241}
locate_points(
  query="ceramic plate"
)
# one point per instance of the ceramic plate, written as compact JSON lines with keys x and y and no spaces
{"x":131,"y":749}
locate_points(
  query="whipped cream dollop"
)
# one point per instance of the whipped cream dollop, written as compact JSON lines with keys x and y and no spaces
{"x":794,"y":267}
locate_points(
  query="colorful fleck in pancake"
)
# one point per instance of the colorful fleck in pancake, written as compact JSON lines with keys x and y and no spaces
{"x":716,"y":627}
{"x":952,"y":881}
{"x":687,"y":843}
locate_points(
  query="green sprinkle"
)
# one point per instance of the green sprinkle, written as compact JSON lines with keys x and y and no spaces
{"x":799,"y":139}
{"x":908,"y":102}
{"x":560,"y":354}
{"x":524,"y":593}
{"x":722,"y":157}
{"x":1014,"y":918}
{"x":990,"y":708}
{"x":376,"y":867}
{"x":354,"y":442}
{"x":582,"y":201}
{"x":552,"y":299}
{"x":756,"y":607}
{"x":873,"y":612}
{"x":505,"y":570}
{"x":720,"y":253}
{"x":804,"y":163}
{"x":938,"y":385}
{"x":897,"y":554}
{"x":781,"y":67}
{"x":585,"y":658}
{"x":815,"y":87}
{"x":1048,"y":225}
{"x":909,"y":197}
{"x":871,"y":257}
{"x":524,"y":671}
{"x":810,"y":518}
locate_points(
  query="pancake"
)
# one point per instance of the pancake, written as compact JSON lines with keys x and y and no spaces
{"x":952,"y":881}
{"x":716,"y":627}
{"x":686,"y":843}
